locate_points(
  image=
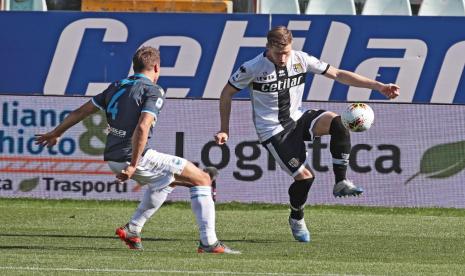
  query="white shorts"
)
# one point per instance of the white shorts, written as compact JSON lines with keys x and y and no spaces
{"x":155,"y":169}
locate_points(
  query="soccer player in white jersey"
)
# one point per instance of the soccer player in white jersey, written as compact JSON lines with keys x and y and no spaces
{"x":276,"y":80}
{"x":132,"y":106}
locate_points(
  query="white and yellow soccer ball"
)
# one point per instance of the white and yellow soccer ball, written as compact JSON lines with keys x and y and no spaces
{"x":358,"y":117}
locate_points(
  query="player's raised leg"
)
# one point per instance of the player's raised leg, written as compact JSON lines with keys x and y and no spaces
{"x":330,"y":123}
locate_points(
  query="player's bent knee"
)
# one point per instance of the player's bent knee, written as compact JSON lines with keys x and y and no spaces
{"x":323,"y":124}
{"x":337,"y":128}
{"x":201,"y":178}
{"x":195,"y":176}
{"x":304,"y":174}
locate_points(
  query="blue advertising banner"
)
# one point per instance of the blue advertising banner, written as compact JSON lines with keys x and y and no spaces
{"x":68,"y":53}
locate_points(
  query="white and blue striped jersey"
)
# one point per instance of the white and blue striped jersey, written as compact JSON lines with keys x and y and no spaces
{"x":276,"y":93}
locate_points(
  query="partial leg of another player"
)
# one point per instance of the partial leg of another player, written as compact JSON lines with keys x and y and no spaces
{"x":204,"y":209}
{"x":153,"y":199}
{"x":158,"y":170}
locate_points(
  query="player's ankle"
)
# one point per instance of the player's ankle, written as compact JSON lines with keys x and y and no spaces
{"x":297,"y":214}
{"x":134,"y":228}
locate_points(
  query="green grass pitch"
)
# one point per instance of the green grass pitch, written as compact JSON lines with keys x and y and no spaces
{"x":47,"y":237}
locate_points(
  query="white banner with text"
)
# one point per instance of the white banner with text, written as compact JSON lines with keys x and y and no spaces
{"x":413,"y":155}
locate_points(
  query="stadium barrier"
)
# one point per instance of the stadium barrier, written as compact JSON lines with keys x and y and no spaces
{"x":206,"y":6}
{"x":412,"y":156}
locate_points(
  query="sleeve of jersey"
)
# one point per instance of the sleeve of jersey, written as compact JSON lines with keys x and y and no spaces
{"x":241,"y":78}
{"x":153,"y":104}
{"x":99,"y":99}
{"x":315,"y":65}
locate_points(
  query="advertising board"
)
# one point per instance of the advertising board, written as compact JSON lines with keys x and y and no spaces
{"x":412,"y":156}
{"x":68,"y":53}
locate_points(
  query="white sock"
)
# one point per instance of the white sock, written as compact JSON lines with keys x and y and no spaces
{"x":204,"y":209}
{"x":150,"y":203}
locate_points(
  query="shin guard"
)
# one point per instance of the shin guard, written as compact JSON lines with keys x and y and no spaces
{"x":298,"y":193}
{"x":339,"y":147}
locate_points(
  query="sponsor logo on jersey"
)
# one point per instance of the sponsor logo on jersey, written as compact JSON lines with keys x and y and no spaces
{"x":116,"y":132}
{"x":279,"y":85}
{"x":235,"y":77}
{"x":266,"y":78}
{"x":282,"y":73}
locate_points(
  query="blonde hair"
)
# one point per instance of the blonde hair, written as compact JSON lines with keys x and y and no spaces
{"x":279,"y":36}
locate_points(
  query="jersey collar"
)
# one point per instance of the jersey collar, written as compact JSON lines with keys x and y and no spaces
{"x":143,"y":78}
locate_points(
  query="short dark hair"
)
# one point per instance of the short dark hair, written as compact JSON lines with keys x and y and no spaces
{"x":279,"y":36}
{"x":145,"y":58}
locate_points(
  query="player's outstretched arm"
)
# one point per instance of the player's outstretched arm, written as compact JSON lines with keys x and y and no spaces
{"x":228,"y":92}
{"x":50,"y":139}
{"x":389,"y":90}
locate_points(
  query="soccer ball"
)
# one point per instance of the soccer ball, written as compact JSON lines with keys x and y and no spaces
{"x":357,"y":117}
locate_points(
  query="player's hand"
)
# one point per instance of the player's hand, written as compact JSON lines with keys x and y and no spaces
{"x":126,"y":173}
{"x":47,"y":139}
{"x":390,"y":90}
{"x":221,"y":137}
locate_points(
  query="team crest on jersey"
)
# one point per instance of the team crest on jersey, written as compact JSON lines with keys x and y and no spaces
{"x":298,"y":68}
{"x":294,"y":162}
